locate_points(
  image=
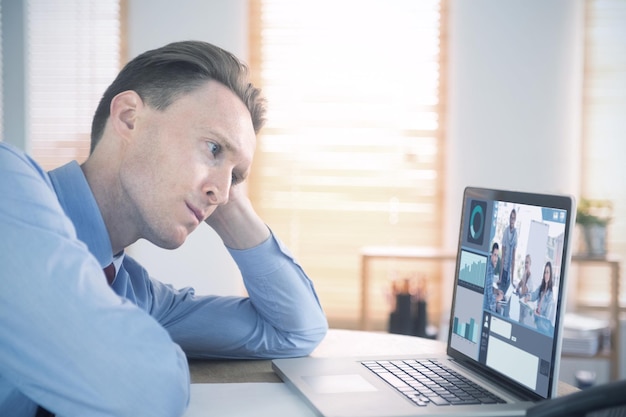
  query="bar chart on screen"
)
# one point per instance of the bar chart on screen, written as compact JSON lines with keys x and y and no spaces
{"x":469,"y":331}
{"x":473,"y":269}
{"x":466,"y":323}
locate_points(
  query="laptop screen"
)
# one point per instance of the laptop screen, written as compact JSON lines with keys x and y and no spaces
{"x":507,"y":310}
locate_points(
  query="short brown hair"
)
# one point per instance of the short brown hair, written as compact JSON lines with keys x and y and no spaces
{"x":162,"y":75}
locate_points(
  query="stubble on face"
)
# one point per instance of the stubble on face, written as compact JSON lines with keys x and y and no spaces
{"x":165,"y":171}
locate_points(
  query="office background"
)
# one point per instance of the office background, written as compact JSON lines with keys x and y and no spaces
{"x":510,"y":110}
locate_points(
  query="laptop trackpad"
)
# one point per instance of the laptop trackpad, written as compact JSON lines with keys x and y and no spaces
{"x":333,"y":384}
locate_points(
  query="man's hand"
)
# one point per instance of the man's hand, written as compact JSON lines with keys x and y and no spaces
{"x":237,"y":223}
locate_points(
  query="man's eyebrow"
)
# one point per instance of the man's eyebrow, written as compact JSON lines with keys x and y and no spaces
{"x":225,"y":141}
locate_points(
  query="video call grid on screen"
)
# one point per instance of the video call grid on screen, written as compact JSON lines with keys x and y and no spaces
{"x":508,"y":336}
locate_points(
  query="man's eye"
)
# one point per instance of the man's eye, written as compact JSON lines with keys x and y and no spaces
{"x":214,"y":148}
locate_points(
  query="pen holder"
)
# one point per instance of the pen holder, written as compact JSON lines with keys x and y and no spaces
{"x":410,"y":316}
{"x":400,"y":320}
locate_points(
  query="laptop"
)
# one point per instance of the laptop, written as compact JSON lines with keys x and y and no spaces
{"x":496,"y":363}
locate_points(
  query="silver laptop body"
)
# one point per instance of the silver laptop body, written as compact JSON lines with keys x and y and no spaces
{"x":499,"y":345}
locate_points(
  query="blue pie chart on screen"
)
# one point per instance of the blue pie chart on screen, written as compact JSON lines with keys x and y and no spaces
{"x":477,"y":222}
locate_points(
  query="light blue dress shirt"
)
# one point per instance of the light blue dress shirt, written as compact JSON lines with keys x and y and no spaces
{"x":546,"y":306}
{"x":78,"y":347}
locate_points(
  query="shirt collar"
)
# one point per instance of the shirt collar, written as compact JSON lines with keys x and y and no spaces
{"x":80,"y":206}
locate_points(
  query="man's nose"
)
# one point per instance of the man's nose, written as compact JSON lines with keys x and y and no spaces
{"x":218,"y":188}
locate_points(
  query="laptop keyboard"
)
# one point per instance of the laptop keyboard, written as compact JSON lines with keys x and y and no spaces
{"x":427,"y":382}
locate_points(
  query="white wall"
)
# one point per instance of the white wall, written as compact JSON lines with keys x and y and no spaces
{"x":514,"y":97}
{"x":153,"y":23}
{"x":14,"y":69}
{"x":202,"y":262}
{"x":514,"y":87}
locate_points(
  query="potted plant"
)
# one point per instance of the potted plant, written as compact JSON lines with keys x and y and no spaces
{"x":594,"y":215}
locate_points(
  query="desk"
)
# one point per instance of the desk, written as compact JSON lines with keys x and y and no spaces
{"x":337,"y":343}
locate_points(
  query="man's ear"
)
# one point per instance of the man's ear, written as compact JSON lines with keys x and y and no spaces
{"x":124,"y":108}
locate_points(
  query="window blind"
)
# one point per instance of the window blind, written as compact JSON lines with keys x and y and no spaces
{"x":352,"y":151}
{"x":73,"y":55}
{"x":604,"y":125}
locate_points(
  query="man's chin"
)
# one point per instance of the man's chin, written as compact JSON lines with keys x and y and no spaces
{"x":170,"y":245}
{"x":171,"y":242}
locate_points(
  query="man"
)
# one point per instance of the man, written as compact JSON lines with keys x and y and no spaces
{"x":509,"y":245}
{"x":522,"y":290}
{"x":492,"y":295}
{"x":172,"y":141}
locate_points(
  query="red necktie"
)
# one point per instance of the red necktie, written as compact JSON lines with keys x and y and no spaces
{"x":42,"y":412}
{"x":109,"y":271}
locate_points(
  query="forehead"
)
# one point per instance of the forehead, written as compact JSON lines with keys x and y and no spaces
{"x":215,"y":111}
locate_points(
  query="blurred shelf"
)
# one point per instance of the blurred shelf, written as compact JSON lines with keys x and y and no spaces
{"x":614,"y":308}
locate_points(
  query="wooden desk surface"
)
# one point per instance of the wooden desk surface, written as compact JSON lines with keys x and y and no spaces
{"x":338,"y":343}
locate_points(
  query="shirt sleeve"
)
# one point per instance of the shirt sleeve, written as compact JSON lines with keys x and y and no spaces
{"x":281,"y":317}
{"x":68,"y":342}
{"x":534,"y":295}
{"x":550,"y":308}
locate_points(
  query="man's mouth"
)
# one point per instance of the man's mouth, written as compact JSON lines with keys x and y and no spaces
{"x":199,"y":215}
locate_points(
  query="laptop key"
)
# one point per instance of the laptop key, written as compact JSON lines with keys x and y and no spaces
{"x":392,"y":379}
{"x":460,"y":401}
{"x":487,"y":400}
{"x":438,"y":400}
